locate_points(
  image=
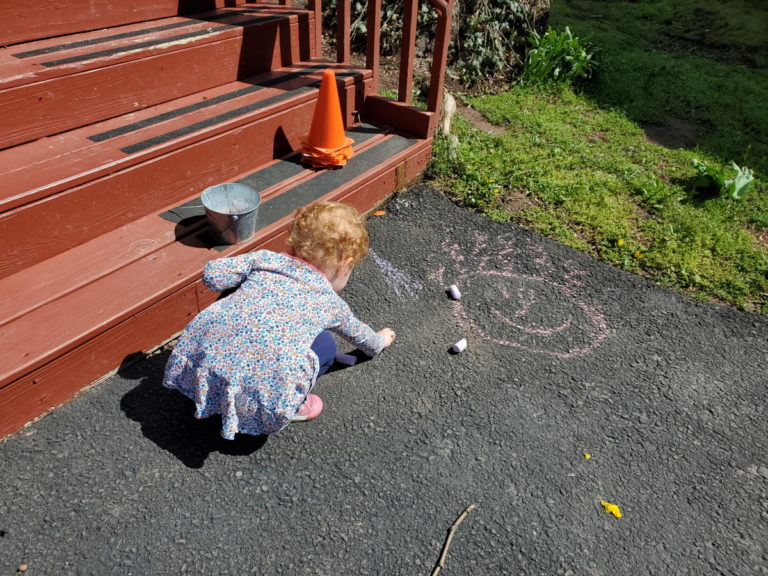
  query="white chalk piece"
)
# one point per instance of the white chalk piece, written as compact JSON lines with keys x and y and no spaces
{"x":455,"y":292}
{"x":347,"y":359}
{"x":460,"y":346}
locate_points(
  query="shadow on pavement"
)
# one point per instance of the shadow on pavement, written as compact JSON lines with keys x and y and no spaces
{"x":167,"y":418}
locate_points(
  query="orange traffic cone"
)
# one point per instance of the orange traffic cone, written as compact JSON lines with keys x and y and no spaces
{"x":327,"y":145}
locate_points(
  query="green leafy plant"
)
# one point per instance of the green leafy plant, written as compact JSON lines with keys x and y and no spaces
{"x":488,"y":35}
{"x":558,"y":58}
{"x":717,"y":178}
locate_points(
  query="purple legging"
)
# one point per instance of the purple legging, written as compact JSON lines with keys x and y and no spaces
{"x":325,"y":348}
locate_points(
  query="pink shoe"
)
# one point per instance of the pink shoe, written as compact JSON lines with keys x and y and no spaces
{"x":311,"y":408}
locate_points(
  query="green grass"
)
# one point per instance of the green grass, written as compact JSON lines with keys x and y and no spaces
{"x":595,"y":183}
{"x":695,"y":60}
{"x":579,"y":168}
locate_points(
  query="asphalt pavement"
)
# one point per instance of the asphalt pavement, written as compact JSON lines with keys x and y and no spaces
{"x":581,"y":386}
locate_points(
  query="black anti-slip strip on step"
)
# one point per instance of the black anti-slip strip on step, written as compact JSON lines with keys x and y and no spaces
{"x":194,"y":127}
{"x":285,"y":169}
{"x":292,"y":75}
{"x":275,"y":208}
{"x":171,"y":114}
{"x":242,"y":11}
{"x":273,"y":174}
{"x":286,"y":203}
{"x":158,"y":42}
{"x":132,"y":47}
{"x":105,"y":39}
{"x":149,"y":143}
{"x":280,"y":171}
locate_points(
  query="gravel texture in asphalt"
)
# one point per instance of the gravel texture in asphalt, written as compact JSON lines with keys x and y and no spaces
{"x":579,"y":384}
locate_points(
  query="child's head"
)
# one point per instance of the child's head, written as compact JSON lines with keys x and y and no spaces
{"x":328,"y":234}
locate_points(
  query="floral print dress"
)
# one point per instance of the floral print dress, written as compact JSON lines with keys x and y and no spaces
{"x":248,"y":356}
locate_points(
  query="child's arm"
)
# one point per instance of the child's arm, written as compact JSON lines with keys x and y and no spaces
{"x":362,"y":335}
{"x":225,"y":273}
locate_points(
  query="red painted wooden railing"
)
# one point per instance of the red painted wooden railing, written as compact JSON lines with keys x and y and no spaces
{"x":444,"y":10}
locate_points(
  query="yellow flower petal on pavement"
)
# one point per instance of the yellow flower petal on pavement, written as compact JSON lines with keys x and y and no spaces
{"x":611,"y":508}
{"x":587,"y":455}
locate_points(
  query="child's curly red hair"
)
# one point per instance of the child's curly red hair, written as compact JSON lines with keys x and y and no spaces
{"x":328,"y":232}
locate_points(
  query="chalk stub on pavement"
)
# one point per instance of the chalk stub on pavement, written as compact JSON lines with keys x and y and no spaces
{"x":460,"y":346}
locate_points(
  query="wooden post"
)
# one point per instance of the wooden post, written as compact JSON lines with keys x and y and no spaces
{"x":317,"y":8}
{"x":373,"y":52}
{"x":439,"y":58}
{"x":407,"y":50}
{"x":343,"y":26}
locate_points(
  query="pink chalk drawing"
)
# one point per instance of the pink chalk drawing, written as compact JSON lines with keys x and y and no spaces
{"x":541,"y":312}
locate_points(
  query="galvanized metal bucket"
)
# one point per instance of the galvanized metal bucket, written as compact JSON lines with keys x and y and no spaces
{"x":231,"y":209}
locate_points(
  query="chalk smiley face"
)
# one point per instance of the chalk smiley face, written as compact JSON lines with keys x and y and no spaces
{"x":540,"y":312}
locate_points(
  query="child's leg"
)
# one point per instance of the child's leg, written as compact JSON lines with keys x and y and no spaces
{"x":325,"y":348}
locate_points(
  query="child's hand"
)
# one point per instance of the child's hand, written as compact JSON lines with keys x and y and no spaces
{"x":388,"y":335}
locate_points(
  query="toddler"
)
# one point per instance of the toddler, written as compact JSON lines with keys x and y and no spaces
{"x":254,"y":356}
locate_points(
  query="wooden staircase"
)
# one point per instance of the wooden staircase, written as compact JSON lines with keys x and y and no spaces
{"x":115,"y":117}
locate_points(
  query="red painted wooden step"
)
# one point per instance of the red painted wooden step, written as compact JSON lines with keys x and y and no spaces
{"x":50,"y":86}
{"x":82,"y":184}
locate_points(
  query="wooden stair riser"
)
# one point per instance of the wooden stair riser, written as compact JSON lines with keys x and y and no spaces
{"x":86,"y":211}
{"x":83,"y":97}
{"x":62,"y":377}
{"x":33,"y":21}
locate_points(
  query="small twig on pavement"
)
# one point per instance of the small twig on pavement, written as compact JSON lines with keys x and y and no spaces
{"x":444,"y":553}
